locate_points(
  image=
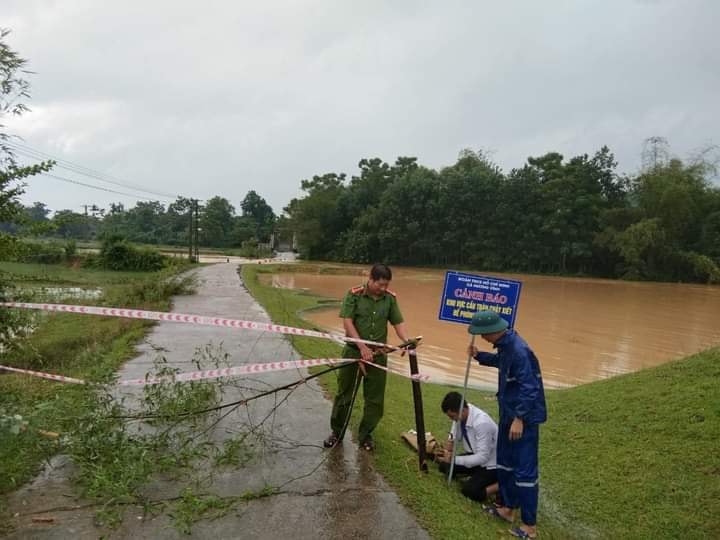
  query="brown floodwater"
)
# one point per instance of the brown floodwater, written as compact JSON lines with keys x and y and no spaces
{"x":581,"y":329}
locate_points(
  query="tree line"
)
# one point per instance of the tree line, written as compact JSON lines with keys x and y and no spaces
{"x":152,"y":222}
{"x":552,"y":215}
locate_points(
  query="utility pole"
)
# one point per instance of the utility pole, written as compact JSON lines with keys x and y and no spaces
{"x":191,"y":230}
{"x":93,"y":208}
{"x":197,"y":231}
{"x":194,"y":231}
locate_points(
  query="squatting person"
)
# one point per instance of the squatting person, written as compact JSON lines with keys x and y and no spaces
{"x":479,"y":436}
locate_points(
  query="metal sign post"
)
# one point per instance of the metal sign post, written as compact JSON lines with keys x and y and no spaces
{"x":456,"y":440}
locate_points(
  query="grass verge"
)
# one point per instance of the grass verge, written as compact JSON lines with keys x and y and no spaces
{"x":61,"y":274}
{"x":635,"y":456}
{"x":90,"y":348}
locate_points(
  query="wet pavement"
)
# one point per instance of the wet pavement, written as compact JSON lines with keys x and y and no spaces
{"x":324,"y":494}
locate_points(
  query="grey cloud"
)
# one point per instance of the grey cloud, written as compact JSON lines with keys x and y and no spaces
{"x":223,"y":97}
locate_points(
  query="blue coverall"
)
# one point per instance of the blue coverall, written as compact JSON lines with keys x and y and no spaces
{"x":520,"y":395}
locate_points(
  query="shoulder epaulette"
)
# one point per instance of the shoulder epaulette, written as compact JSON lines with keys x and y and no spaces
{"x":391,"y":292}
{"x":357,"y":290}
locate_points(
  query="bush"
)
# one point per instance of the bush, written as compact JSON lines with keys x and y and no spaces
{"x":252,"y":250}
{"x":8,"y":247}
{"x":117,"y":254}
{"x":691,"y":266}
{"x":13,"y":322}
{"x":91,"y":260}
{"x":70,"y":249}
{"x":32,"y":252}
{"x":151,"y":290}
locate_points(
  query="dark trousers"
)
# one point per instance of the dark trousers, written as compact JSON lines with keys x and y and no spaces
{"x":517,"y":466}
{"x":478,"y":479}
{"x":373,"y":394}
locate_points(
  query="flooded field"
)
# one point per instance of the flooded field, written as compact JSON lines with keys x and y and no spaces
{"x":58,"y":294}
{"x":581,"y":329}
{"x":43,"y":294}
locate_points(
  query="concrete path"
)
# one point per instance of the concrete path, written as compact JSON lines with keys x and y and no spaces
{"x":343,"y":498}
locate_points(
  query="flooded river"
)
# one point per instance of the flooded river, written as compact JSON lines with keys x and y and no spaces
{"x":581,"y":329}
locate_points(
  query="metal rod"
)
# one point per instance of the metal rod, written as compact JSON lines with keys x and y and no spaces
{"x":419,"y":415}
{"x":456,"y":440}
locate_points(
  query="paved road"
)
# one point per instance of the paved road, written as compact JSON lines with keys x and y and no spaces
{"x":345,"y":497}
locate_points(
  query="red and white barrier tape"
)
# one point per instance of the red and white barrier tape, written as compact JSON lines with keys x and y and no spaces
{"x":187,"y":319}
{"x":247,"y":369}
{"x":50,"y":376}
{"x":251,"y":369}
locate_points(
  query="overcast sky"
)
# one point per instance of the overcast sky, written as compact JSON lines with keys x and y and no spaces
{"x":220,"y":97}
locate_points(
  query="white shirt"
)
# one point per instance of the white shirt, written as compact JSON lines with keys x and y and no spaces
{"x":482,"y":432}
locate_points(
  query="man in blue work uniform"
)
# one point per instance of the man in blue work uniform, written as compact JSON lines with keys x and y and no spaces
{"x":521,"y":400}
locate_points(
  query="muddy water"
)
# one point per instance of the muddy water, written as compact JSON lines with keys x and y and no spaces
{"x":581,"y":329}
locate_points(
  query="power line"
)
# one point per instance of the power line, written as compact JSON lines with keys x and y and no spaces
{"x":85,"y":171}
{"x":77,"y":182}
{"x":79,"y":169}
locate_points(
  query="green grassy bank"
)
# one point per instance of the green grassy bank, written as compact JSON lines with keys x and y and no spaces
{"x":90,"y":348}
{"x":636,"y":456}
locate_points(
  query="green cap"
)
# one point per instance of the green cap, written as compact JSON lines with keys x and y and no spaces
{"x":487,"y":322}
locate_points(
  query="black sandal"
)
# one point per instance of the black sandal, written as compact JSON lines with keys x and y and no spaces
{"x":331,"y":441}
{"x":492,"y":510}
{"x":368,"y":445}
